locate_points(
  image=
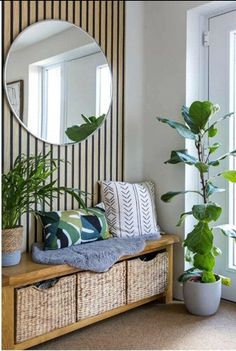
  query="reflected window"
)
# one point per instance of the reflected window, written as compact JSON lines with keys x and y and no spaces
{"x":53,"y":103}
{"x":103,"y":91}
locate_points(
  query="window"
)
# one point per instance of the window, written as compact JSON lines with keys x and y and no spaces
{"x":52,"y":102}
{"x":34,"y":100}
{"x":103,"y":89}
{"x":232,"y":138}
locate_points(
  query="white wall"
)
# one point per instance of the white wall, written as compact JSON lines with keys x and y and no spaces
{"x":156,"y":86}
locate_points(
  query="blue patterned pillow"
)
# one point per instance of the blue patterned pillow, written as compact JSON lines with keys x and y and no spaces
{"x":66,"y":228}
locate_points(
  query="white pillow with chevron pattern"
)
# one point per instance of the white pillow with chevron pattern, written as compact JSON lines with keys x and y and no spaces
{"x":130,"y":208}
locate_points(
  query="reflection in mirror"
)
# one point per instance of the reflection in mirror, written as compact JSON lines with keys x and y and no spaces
{"x":64,"y":75}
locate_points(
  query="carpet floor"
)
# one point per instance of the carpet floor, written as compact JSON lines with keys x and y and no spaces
{"x":155,"y":327}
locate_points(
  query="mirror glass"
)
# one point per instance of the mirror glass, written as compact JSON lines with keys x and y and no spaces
{"x":56,"y":77}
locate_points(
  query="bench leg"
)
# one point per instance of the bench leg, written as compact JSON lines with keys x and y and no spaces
{"x":169,"y":291}
{"x":8,"y":318}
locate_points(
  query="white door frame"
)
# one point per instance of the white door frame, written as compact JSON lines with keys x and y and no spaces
{"x":197,"y":79}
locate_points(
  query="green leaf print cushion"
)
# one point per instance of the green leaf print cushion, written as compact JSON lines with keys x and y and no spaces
{"x":66,"y":228}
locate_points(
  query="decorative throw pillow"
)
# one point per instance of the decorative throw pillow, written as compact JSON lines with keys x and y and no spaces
{"x":130,"y":208}
{"x":66,"y":228}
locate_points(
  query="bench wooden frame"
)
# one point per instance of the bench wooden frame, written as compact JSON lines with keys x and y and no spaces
{"x":28,"y":272}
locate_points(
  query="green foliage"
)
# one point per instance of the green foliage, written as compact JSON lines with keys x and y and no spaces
{"x":200,"y":239}
{"x":200,"y":113}
{"x":208,"y":277}
{"x":29,"y":182}
{"x":204,"y":262}
{"x":229,"y":175}
{"x":78,"y":133}
{"x":181,"y":156}
{"x":199,"y":243}
{"x":207,"y":212}
{"x":181,"y":128}
{"x":171,"y":194}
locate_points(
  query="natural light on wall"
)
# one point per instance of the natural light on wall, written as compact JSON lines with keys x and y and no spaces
{"x":232,"y":141}
{"x":103,"y":89}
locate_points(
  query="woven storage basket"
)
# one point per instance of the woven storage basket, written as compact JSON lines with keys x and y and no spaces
{"x":146,"y":278}
{"x":38,"y":311}
{"x":101,"y":292}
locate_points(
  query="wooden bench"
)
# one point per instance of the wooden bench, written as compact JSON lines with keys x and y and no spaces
{"x":28,"y":272}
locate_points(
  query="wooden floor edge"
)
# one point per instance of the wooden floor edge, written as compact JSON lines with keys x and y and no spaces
{"x":83,"y":323}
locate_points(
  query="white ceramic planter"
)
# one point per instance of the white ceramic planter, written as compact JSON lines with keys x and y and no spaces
{"x":202,"y":299}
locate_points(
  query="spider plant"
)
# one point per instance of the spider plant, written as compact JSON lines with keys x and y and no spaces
{"x":29,"y":181}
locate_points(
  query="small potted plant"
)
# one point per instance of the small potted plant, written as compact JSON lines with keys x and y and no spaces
{"x":201,"y":282}
{"x":27,"y":182}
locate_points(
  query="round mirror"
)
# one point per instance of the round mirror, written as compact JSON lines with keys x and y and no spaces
{"x":58,"y":82}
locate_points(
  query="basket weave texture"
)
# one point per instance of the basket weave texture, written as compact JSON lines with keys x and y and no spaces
{"x":39,"y":311}
{"x":101,"y":292}
{"x":12,"y":239}
{"x":146,"y":278}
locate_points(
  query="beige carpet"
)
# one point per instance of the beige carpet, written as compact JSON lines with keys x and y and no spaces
{"x":152,"y":327}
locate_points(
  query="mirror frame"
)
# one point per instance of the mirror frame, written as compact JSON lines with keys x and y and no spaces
{"x":5,"y":82}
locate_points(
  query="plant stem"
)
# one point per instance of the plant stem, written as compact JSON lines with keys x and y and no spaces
{"x":200,"y":148}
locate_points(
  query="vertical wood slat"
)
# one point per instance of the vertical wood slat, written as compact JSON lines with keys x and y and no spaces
{"x":101,"y":156}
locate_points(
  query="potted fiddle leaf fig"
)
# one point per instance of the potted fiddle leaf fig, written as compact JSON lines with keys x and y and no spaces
{"x":201,"y":285}
{"x":26,"y":183}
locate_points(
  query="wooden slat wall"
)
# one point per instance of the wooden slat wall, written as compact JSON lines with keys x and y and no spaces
{"x":99,"y":157}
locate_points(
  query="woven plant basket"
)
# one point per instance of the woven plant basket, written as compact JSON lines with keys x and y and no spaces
{"x":39,"y":311}
{"x":12,"y":239}
{"x":146,"y":278}
{"x":101,"y":292}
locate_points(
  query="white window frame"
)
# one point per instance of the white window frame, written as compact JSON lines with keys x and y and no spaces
{"x":198,"y":89}
{"x":45,"y":102}
{"x":232,"y":160}
{"x":98,"y":88}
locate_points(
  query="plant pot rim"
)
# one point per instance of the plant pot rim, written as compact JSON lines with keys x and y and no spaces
{"x":18,"y":227}
{"x":201,"y":283}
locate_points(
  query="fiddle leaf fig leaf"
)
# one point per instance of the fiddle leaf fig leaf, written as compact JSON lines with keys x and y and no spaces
{"x":181,"y":156}
{"x":212,"y":127}
{"x":227,"y":229}
{"x":212,"y":131}
{"x":205,"y":262}
{"x":229,"y":175}
{"x":214,"y":147}
{"x":184,"y":131}
{"x":189,"y":255}
{"x":167,"y":197}
{"x":182,"y":218}
{"x":200,"y":240}
{"x":79,"y":133}
{"x":225,"y":280}
{"x":208,"y":277}
{"x":188,"y":120}
{"x":188,"y":274}
{"x":216,"y":162}
{"x":86,"y":119}
{"x":216,"y":251}
{"x":206,"y":212}
{"x":202,"y":167}
{"x":200,"y":113}
{"x":211,"y":189}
